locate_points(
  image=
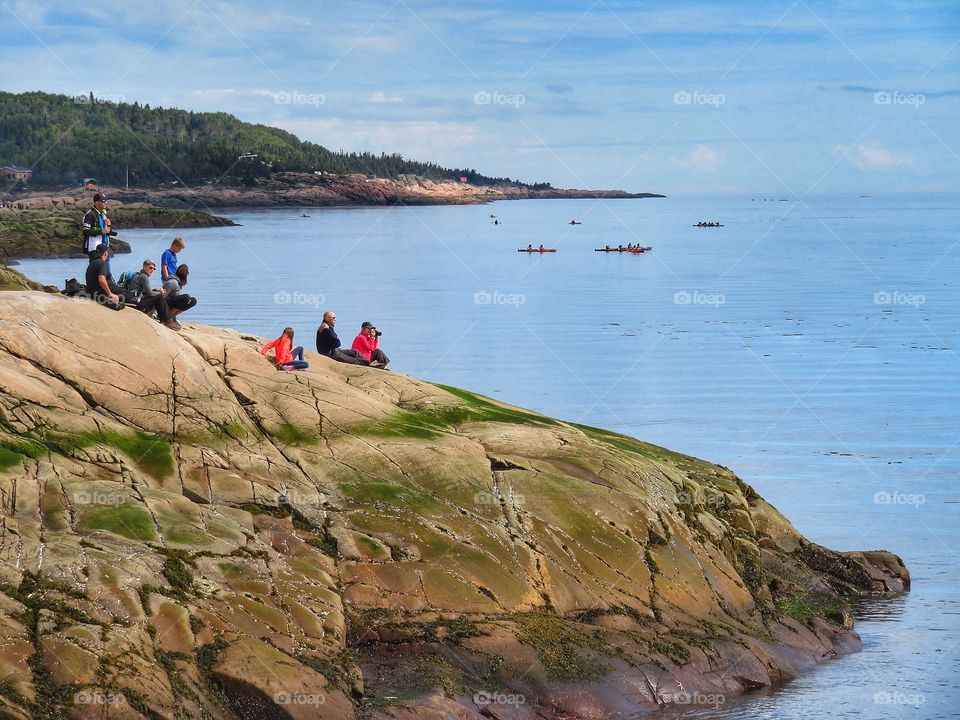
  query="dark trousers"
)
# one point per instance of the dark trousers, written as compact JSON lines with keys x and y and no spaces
{"x":158,"y":303}
{"x":98,"y":297}
{"x":379,"y":356}
{"x":181,"y":302}
{"x":351,"y":357}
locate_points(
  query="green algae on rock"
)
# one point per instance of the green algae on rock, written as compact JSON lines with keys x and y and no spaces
{"x":190,"y":533}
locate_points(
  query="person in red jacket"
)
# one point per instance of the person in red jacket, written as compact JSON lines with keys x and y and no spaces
{"x":287,"y":356}
{"x":366,"y":343}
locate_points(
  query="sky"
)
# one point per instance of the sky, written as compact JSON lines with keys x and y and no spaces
{"x":781,"y":99}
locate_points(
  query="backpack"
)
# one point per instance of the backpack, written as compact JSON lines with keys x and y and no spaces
{"x":126,"y":276}
{"x":72,"y":288}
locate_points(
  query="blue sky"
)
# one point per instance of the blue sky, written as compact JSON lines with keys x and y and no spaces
{"x":776,"y":98}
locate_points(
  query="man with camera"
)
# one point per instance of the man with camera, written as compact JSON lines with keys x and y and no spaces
{"x":366,"y":343}
{"x":96,"y":227}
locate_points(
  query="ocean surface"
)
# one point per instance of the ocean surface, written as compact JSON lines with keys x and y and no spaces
{"x":811,"y":346}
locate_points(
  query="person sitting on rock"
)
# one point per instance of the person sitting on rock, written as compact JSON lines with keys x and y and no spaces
{"x":329,"y":344}
{"x":367,"y":344}
{"x":149,"y":300}
{"x":168,"y":261}
{"x":177,"y":300}
{"x":287,"y":357}
{"x":100,"y":284}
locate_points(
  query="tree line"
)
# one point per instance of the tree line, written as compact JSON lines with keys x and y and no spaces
{"x":66,"y":139}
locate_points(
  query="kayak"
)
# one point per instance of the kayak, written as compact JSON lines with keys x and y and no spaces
{"x":709,"y":226}
{"x":630,"y":250}
{"x":537,"y":250}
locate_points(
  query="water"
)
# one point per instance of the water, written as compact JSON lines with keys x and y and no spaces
{"x":812,"y":347}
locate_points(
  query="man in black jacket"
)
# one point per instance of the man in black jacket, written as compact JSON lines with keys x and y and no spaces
{"x":329,"y":344}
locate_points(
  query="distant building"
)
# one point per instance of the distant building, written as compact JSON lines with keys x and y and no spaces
{"x":90,"y":183}
{"x":463,"y":178}
{"x":15,"y":172}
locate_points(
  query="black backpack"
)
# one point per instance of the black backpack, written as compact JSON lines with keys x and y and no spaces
{"x":72,"y":288}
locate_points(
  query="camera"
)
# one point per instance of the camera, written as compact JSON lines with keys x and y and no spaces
{"x":377,"y":333}
{"x":112,"y":233}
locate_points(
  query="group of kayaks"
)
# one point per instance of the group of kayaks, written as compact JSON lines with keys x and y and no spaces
{"x":635,"y":249}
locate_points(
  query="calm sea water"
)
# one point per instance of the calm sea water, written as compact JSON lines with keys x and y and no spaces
{"x":811,"y":347}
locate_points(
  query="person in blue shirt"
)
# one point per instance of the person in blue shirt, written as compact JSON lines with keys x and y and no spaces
{"x":168,"y":261}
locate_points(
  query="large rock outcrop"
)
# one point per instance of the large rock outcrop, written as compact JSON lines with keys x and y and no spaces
{"x":187,"y":532}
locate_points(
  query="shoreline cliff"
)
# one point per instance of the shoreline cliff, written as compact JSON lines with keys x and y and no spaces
{"x":187,"y":532}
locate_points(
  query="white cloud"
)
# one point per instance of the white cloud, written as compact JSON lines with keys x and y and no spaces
{"x":379,"y":97}
{"x":870,"y":156}
{"x":703,"y":160}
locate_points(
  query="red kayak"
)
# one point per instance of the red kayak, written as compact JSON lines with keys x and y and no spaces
{"x":537,"y":250}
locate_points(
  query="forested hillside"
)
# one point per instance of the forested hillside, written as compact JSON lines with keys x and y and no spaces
{"x":64,"y":139}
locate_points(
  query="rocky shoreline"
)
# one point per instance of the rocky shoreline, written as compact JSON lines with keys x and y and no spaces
{"x":187,"y":532}
{"x":47,"y":231}
{"x":311,"y":190}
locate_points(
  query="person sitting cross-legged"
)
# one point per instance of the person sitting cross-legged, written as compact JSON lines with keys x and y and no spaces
{"x":367,"y":344}
{"x":286,"y":356}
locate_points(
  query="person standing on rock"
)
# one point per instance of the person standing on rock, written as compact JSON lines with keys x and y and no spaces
{"x":329,"y":344}
{"x":367,"y":343}
{"x":97,"y":228}
{"x":168,"y":261}
{"x":287,"y":356}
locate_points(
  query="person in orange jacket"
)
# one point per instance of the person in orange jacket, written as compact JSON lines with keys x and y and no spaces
{"x":287,"y":356}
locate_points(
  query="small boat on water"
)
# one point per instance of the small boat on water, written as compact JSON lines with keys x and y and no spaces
{"x":707,"y":224}
{"x":636,"y":250}
{"x":537,"y":250}
{"x":576,"y":222}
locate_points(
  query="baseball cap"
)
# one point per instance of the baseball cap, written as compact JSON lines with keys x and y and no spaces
{"x":366,"y":325}
{"x":99,"y":198}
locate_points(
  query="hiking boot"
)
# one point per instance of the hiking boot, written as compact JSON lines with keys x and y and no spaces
{"x":376,"y":364}
{"x":173,"y":324}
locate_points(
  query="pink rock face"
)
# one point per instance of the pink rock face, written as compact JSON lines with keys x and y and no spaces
{"x":188,"y":532}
